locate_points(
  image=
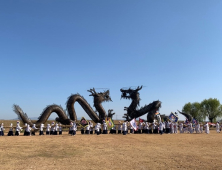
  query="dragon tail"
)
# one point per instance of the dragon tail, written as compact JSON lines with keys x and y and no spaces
{"x":21,"y":115}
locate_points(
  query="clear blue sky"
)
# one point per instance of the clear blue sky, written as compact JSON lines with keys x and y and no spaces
{"x":51,"y":49}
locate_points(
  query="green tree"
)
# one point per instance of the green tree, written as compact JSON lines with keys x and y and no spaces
{"x":211,"y":108}
{"x":194,"y":109}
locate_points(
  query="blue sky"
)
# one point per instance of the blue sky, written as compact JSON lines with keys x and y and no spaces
{"x":52,"y":49}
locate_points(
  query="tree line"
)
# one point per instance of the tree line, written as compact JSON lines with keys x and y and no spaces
{"x":208,"y":108}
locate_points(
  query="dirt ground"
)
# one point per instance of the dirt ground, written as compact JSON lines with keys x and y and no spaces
{"x":112,"y":151}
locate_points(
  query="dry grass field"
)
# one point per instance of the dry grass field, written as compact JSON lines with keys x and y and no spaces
{"x":133,"y":151}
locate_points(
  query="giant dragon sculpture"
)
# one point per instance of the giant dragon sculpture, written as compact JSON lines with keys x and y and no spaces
{"x":67,"y":119}
{"x":132,"y":111}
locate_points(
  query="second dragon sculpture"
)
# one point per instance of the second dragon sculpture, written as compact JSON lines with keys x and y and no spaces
{"x":132,"y":111}
{"x":63,"y":118}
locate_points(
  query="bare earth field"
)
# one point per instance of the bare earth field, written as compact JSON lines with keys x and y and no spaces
{"x":133,"y":151}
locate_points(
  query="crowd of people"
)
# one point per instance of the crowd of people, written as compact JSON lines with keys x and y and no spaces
{"x":122,"y":128}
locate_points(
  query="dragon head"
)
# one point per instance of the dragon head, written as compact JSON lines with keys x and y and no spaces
{"x":100,"y":97}
{"x":131,"y":93}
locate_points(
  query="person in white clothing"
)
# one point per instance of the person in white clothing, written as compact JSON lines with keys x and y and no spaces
{"x":201,"y":128}
{"x":56,"y":129}
{"x":52,"y":128}
{"x":124,"y":128}
{"x":87,"y":129}
{"x":48,"y":129}
{"x":91,"y":127}
{"x":10,"y":132}
{"x":41,"y":129}
{"x":131,"y":129}
{"x":73,"y":128}
{"x":168,"y":124}
{"x":119,"y":128}
{"x":172,"y":127}
{"x":105,"y":131}
{"x":97,"y":128}
{"x":175,"y":127}
{"x":2,"y":129}
{"x":146,"y":128}
{"x":197,"y":127}
{"x":161,"y":128}
{"x":218,"y":127}
{"x":181,"y":127}
{"x":164,"y":127}
{"x":33,"y":129}
{"x":140,"y":127}
{"x":18,"y":129}
{"x":206,"y":126}
{"x":191,"y":127}
{"x":28,"y":130}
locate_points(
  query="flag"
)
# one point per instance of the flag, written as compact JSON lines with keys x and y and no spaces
{"x":141,"y":120}
{"x":173,"y":117}
{"x":83,"y":122}
{"x":133,"y":124}
{"x":109,"y":123}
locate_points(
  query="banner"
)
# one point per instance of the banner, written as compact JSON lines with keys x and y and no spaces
{"x":141,"y":120}
{"x":173,"y":117}
{"x":133,"y":124}
{"x":109,"y":123}
{"x":83,"y":122}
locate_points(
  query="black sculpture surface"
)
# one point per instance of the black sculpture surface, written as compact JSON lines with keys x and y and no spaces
{"x":63,"y":118}
{"x":188,"y":116}
{"x":132,"y":111}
